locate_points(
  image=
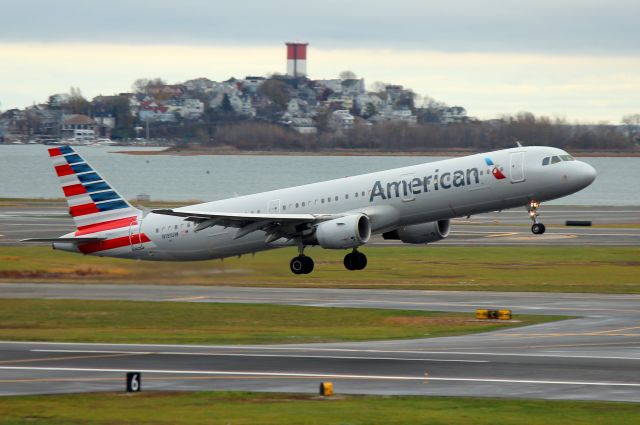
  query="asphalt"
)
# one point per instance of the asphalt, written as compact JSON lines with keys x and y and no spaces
{"x":612,"y":226}
{"x":595,"y":356}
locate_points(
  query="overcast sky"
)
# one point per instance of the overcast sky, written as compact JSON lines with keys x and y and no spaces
{"x":579,"y":59}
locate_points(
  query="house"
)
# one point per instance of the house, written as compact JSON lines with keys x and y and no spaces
{"x":304,"y":125}
{"x":454,"y":114}
{"x":78,"y":127}
{"x":341,"y":120}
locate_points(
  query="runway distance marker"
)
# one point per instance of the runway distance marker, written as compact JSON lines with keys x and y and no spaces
{"x":330,"y":375}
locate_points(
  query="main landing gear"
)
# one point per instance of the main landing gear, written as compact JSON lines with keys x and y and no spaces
{"x":355,"y":260}
{"x":304,"y":265}
{"x":537,"y":228}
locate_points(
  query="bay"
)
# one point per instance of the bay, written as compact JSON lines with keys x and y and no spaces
{"x":27,"y":172}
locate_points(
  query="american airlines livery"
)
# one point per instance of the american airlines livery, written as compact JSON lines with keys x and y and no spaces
{"x":412,"y":204}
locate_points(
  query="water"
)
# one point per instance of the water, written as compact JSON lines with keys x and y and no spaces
{"x":26,"y":172}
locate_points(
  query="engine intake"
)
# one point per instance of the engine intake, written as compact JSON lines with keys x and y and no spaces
{"x":349,"y":231}
{"x":421,"y":233}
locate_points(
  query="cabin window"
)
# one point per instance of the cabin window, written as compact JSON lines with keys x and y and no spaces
{"x":346,"y":196}
{"x":356,"y":194}
{"x":363,"y":193}
{"x":336,"y":198}
{"x":555,"y":159}
{"x":303,"y":204}
{"x":284,"y":207}
{"x":322,"y":201}
{"x":329,"y":199}
{"x":175,"y":227}
{"x":297,"y":205}
{"x":546,"y":161}
{"x":157,"y":230}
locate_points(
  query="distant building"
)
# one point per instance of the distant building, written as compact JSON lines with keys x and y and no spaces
{"x":454,"y":114}
{"x":304,"y":125}
{"x":78,"y":127}
{"x":342,"y":120}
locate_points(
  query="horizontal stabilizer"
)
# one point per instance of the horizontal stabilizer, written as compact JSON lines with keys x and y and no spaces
{"x":73,"y":241}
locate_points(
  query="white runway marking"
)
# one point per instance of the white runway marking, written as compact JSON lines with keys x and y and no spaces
{"x":328,"y":375}
{"x":336,"y":350}
{"x":178,"y":353}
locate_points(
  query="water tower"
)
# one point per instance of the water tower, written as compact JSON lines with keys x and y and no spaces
{"x":297,"y":59}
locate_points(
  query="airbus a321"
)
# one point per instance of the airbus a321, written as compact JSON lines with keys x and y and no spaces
{"x":412,"y":204}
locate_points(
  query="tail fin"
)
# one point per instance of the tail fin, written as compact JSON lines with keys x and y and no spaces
{"x":92,"y":201}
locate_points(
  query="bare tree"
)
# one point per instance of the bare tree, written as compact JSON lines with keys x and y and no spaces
{"x":632,"y":123}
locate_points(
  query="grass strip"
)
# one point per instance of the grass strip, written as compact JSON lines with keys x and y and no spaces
{"x":509,"y":268}
{"x":214,"y":323}
{"x":250,"y":408}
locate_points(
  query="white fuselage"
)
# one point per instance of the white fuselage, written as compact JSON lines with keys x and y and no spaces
{"x":398,"y":197}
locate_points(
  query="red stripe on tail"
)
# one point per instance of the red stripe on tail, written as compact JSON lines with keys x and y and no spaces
{"x":54,"y":152}
{"x":74,"y":189}
{"x":84,"y":209}
{"x":64,"y":170}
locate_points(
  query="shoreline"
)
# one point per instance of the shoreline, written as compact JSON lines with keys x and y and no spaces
{"x":349,"y":152}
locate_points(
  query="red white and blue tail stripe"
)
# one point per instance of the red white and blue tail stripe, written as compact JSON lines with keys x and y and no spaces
{"x":94,"y":205}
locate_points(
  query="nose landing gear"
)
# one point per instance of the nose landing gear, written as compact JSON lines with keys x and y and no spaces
{"x":537,"y":228}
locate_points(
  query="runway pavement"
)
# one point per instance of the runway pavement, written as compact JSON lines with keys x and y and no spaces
{"x":593,"y":357}
{"x":509,"y":227}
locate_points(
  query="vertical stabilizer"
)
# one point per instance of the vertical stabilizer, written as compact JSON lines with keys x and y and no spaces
{"x":93,"y":203}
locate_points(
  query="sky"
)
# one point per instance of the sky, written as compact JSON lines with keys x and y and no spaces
{"x":574,"y":59}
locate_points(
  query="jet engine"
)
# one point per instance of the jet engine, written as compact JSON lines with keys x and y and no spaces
{"x":420,"y":233}
{"x":349,"y":231}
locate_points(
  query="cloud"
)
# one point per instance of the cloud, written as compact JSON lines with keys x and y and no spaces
{"x":567,"y":27}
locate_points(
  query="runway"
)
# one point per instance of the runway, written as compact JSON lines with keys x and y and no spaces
{"x":613,"y":226}
{"x":593,"y":357}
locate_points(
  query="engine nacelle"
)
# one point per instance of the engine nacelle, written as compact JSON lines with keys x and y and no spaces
{"x":349,"y":231}
{"x":421,"y":233}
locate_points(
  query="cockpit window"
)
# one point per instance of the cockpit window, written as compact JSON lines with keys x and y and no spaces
{"x":555,"y":159}
{"x":545,"y":161}
{"x":567,"y":158}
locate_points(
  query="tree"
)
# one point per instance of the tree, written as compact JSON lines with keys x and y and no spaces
{"x":276,"y":91}
{"x":632,"y":123}
{"x":76,"y":103}
{"x":369,"y":110}
{"x":226,"y":104}
{"x":140,"y":85}
{"x":348,"y":75}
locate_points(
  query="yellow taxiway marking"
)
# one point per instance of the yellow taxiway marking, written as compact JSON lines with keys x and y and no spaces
{"x":48,"y":359}
{"x":501,"y":235}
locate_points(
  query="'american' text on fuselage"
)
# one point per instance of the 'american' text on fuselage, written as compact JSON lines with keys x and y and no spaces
{"x":417,"y":185}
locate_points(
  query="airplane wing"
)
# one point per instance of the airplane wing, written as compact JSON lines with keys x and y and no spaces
{"x":74,"y":241}
{"x":275,"y":225}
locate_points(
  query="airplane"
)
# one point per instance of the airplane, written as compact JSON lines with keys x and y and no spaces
{"x":411,"y":204}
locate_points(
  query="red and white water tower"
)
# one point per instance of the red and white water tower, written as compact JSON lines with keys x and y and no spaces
{"x":297,"y":59}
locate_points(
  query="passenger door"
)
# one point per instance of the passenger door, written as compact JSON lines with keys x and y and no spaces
{"x":517,"y":167}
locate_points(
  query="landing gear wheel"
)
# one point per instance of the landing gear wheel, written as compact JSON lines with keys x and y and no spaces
{"x":538,"y":228}
{"x":301,"y":264}
{"x":355,"y":261}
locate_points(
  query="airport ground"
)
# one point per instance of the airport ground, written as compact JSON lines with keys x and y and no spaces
{"x":592,"y":357}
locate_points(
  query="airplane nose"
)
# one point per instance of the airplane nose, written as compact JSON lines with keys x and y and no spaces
{"x":587,"y":174}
